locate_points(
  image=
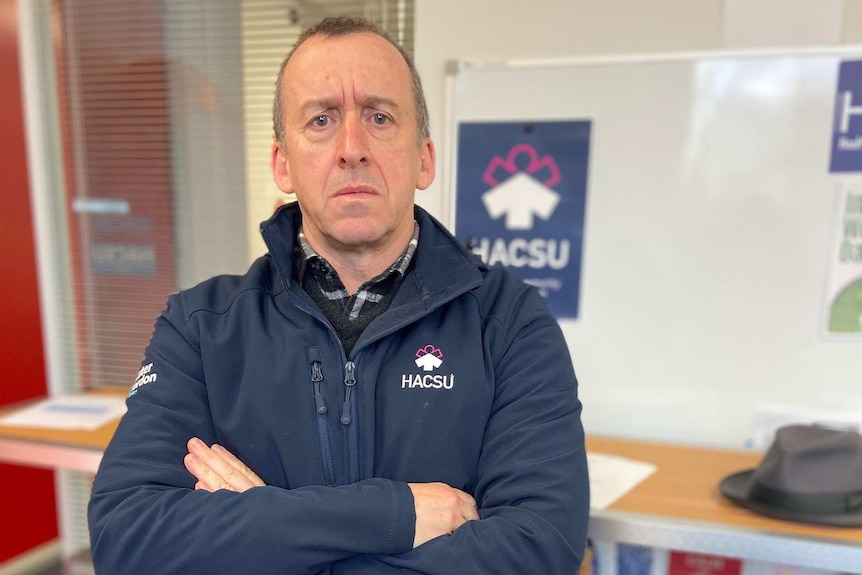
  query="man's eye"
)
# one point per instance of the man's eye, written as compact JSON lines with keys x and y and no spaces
{"x":380,"y":119}
{"x":321,"y":121}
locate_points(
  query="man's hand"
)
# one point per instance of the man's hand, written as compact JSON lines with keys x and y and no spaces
{"x":217,"y":468}
{"x":440,"y":510}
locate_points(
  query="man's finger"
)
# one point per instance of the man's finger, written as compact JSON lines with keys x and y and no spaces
{"x":470,"y":513}
{"x":466,"y":497}
{"x":207,"y":479}
{"x":217,"y":472}
{"x":234,"y":462}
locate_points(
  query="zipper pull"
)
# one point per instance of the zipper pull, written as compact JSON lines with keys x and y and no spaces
{"x":349,"y":382}
{"x":317,"y":377}
{"x":315,"y":364}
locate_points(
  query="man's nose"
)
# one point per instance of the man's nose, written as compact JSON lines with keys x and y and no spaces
{"x":352,"y":143}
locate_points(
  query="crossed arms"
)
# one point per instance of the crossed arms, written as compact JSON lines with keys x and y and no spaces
{"x":440,"y":509}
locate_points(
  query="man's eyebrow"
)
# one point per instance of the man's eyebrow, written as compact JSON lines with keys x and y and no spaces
{"x":316,"y":105}
{"x":379,"y":102}
{"x":321,"y":104}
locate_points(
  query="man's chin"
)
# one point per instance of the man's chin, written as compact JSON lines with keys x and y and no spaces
{"x":355,"y":234}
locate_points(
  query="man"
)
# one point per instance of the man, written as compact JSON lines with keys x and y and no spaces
{"x":369,"y":397}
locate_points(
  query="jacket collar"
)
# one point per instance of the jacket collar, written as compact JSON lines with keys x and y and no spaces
{"x":443,"y":268}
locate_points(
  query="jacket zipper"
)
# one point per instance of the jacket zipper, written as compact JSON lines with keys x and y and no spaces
{"x":316,"y":366}
{"x":347,"y":414}
{"x":348,"y":409}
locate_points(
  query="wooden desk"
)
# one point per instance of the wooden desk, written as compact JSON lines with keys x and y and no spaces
{"x":680,"y":507}
{"x":56,"y":448}
{"x":677,"y":507}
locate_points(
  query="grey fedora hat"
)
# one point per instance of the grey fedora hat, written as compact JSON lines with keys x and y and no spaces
{"x":809,"y":474}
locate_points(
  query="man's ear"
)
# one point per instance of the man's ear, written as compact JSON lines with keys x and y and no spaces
{"x":280,"y":168}
{"x":427,"y":162}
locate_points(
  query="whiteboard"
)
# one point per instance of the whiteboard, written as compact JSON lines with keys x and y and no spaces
{"x":711,"y":217}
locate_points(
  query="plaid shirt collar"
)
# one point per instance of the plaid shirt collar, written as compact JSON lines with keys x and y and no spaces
{"x":331,"y":285}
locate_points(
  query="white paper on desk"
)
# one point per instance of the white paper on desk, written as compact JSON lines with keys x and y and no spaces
{"x":611,"y":477}
{"x":82,"y":412}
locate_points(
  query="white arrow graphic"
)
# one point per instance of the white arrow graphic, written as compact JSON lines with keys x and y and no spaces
{"x":520,"y":198}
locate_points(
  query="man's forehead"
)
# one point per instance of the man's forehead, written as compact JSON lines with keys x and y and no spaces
{"x":362,"y":67}
{"x":321,"y":58}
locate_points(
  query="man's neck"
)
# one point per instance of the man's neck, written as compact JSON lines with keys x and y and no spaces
{"x":354,"y":269}
{"x":356,"y":265}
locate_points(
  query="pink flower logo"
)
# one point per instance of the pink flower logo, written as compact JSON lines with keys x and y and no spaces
{"x":429,"y":349}
{"x":429,"y":357}
{"x":536,"y":165}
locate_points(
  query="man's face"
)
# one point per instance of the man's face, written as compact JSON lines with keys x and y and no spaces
{"x":351,"y":152}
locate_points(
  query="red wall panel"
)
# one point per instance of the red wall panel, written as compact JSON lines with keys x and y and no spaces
{"x":26,"y":494}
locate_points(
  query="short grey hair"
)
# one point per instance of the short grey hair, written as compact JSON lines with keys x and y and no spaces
{"x":342,"y":26}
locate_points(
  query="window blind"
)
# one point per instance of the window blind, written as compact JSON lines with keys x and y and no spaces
{"x":165,"y":129}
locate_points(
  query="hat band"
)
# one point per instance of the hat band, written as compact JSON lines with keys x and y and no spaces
{"x":813,"y":503}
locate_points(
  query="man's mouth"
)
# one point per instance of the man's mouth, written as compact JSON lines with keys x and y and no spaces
{"x":356,"y":191}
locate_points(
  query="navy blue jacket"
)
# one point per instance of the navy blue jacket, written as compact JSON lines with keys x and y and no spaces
{"x":465,"y":379}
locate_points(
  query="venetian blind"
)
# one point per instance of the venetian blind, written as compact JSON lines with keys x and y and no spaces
{"x":165,"y":130}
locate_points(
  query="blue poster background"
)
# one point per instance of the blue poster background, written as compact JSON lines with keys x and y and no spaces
{"x":847,"y":125}
{"x":545,"y":162}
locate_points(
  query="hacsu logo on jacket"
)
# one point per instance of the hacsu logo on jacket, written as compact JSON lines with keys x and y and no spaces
{"x":428,"y":358}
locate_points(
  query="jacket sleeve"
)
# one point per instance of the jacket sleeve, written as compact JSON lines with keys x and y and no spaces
{"x":145,"y":516}
{"x":533,"y":489}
